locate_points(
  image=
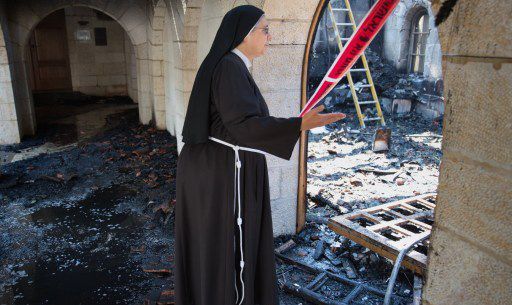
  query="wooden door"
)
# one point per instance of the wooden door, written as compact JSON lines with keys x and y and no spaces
{"x":49,"y":54}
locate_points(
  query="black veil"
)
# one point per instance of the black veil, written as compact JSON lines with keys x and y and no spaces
{"x":235,"y":25}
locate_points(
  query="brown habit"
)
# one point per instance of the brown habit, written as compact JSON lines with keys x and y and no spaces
{"x":205,"y":224}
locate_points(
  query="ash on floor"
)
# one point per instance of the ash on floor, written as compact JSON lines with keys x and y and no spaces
{"x":92,"y":223}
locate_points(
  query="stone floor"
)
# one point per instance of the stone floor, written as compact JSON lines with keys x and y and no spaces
{"x":63,"y":120}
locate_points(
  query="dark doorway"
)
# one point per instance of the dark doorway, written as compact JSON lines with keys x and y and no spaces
{"x":49,"y":54}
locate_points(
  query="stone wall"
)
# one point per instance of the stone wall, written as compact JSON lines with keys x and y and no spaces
{"x":96,"y":70}
{"x":9,"y":127}
{"x":186,"y":58}
{"x":396,"y":38}
{"x":131,"y":68}
{"x":279,"y":75}
{"x":470,"y":258}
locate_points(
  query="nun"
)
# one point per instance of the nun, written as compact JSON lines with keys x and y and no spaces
{"x":224,"y":251}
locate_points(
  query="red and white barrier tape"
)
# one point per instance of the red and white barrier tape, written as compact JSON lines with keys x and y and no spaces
{"x":355,"y":46}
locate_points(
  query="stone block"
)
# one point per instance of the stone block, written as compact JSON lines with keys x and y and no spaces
{"x":138,"y":35}
{"x":289,"y":32}
{"x":158,"y":85}
{"x":194,"y":4}
{"x":10,"y":132}
{"x":157,"y":37}
{"x":157,"y":52}
{"x":401,"y":106}
{"x":21,"y":14}
{"x":116,"y":90}
{"x":143,"y":67}
{"x":430,"y":110}
{"x":160,"y":9}
{"x":115,"y":57}
{"x":159,"y":103}
{"x":475,"y":201}
{"x":84,"y":69}
{"x":3,"y":56}
{"x":190,"y":33}
{"x":133,"y":16}
{"x":189,"y":53}
{"x":283,"y":103}
{"x":141,"y":51}
{"x":115,"y":68}
{"x":289,"y":180}
{"x":158,"y":23}
{"x":160,"y":120}
{"x":143,"y":84}
{"x":478,"y":106}
{"x":280,"y":68}
{"x":5,"y":73}
{"x":157,"y":66}
{"x":111,"y":80}
{"x":188,"y":79}
{"x":284,"y":215}
{"x":192,"y":16}
{"x":87,"y":81}
{"x":290,"y":9}
{"x":8,"y":112}
{"x":472,"y":15}
{"x":6,"y":93}
{"x":459,"y":272}
{"x":274,"y":176}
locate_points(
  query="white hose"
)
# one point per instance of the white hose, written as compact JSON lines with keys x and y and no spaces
{"x":396,"y":267}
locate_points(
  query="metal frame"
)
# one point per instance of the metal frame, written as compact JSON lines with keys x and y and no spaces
{"x":370,"y":236}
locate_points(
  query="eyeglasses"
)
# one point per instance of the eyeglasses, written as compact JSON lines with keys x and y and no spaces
{"x":265,"y":30}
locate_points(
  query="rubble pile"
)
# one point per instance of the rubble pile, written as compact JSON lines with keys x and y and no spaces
{"x":320,"y":248}
{"x":345,"y":175}
{"x":389,"y":84}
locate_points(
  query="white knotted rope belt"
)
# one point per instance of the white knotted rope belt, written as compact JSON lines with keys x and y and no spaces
{"x":238,"y":165}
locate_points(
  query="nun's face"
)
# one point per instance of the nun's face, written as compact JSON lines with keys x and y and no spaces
{"x":258,"y":40}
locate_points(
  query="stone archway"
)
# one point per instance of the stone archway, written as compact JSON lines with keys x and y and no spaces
{"x":22,"y":19}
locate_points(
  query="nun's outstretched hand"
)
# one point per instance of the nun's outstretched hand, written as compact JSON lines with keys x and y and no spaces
{"x":314,"y":118}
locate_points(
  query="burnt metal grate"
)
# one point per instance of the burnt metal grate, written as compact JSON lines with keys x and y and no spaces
{"x":347,"y":291}
{"x":388,"y":228}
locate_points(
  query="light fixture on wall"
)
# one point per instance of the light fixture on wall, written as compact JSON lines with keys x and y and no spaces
{"x":83,"y":33}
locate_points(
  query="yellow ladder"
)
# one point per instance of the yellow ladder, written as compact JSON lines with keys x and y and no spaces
{"x":362,"y":117}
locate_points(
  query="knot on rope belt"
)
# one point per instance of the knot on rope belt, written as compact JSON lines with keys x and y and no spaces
{"x":238,"y":165}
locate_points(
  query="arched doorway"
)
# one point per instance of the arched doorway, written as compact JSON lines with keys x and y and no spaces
{"x":341,"y":174}
{"x":80,"y":69}
{"x":23,"y":19}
